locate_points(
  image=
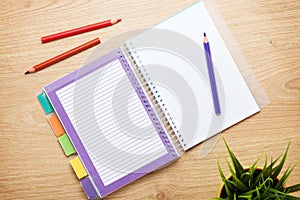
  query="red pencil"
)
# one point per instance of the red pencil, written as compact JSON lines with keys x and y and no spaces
{"x":63,"y":56}
{"x":79,"y":30}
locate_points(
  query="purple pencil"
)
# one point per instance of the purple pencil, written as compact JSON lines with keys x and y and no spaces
{"x":211,"y":74}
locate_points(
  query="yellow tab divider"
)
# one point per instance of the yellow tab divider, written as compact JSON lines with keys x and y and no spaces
{"x":78,"y":167}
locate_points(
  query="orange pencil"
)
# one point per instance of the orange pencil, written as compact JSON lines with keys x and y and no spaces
{"x":63,"y":56}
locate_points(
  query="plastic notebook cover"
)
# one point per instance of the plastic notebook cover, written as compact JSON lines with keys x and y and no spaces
{"x":74,"y":137}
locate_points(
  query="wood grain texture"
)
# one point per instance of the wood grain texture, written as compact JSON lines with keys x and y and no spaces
{"x":32,"y":165}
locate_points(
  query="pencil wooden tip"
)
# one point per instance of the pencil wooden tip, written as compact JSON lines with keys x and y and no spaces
{"x":205,"y":40}
{"x":27,"y":72}
{"x":114,"y":21}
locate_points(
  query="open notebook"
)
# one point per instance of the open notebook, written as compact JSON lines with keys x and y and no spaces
{"x":138,"y":107}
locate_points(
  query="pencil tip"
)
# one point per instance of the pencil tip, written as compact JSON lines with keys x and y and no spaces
{"x":114,"y":21}
{"x":204,"y":34}
{"x":27,"y":72}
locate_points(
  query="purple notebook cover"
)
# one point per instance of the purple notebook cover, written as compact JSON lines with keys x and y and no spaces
{"x":85,"y":158}
{"x":88,"y":188}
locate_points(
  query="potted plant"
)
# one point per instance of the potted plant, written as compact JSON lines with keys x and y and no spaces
{"x":255,"y":183}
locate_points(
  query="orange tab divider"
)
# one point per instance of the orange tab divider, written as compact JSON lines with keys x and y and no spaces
{"x":56,"y":126}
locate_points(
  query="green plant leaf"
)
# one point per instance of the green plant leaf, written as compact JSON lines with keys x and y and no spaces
{"x":257,"y":193}
{"x":227,"y":184}
{"x":236,"y":181}
{"x":289,"y":197}
{"x":254,"y":165}
{"x":266,"y":162}
{"x":284,"y":177}
{"x":228,"y":192}
{"x":293,"y":188}
{"x":247,"y":177}
{"x":266,"y":172}
{"x":265,"y":194}
{"x":245,"y":196}
{"x":278,"y":168}
{"x":248,"y":194}
{"x":281,"y":195}
{"x":220,"y":171}
{"x":253,"y":184}
{"x":257,"y":190}
{"x":239,"y":170}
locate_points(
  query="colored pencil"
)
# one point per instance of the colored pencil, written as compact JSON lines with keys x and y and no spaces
{"x":79,"y":30}
{"x":211,"y":74}
{"x":63,"y":56}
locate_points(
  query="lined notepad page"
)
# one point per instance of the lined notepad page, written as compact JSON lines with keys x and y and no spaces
{"x":111,"y":122}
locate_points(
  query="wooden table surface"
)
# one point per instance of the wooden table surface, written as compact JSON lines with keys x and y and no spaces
{"x":33,"y":166}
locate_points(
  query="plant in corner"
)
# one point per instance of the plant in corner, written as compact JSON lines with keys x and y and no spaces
{"x":254,"y":183}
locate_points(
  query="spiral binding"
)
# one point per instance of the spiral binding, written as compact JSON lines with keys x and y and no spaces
{"x":146,"y":104}
{"x":156,"y":99}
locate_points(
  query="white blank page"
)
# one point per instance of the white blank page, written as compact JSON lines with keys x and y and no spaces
{"x":237,"y":102}
{"x":111,"y":122}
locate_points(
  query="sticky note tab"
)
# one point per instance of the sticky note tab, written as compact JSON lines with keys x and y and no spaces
{"x":78,"y":168}
{"x":66,"y":144}
{"x":56,"y":126}
{"x":88,"y":188}
{"x":44,"y":101}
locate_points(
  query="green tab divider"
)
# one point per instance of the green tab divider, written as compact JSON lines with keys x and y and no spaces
{"x":44,"y":101}
{"x":66,"y":144}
